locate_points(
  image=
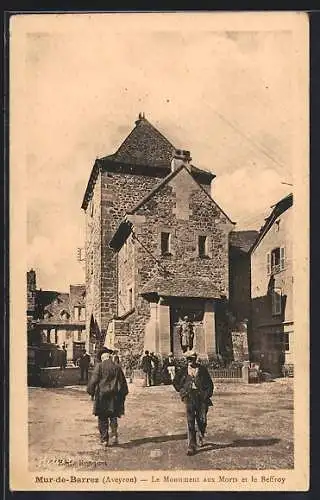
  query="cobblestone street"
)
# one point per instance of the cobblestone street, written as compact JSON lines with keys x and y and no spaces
{"x":249,"y":427}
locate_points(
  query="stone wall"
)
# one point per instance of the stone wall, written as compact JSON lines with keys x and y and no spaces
{"x":93,"y":221}
{"x":119,"y":193}
{"x":126,"y":277}
{"x":185,"y":210}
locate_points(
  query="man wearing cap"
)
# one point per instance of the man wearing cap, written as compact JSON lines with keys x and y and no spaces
{"x":109,"y":388}
{"x":195,"y":386}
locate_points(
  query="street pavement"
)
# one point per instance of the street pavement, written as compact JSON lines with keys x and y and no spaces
{"x":249,"y":427}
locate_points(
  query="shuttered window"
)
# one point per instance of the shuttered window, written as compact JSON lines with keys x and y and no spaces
{"x":276,"y":301}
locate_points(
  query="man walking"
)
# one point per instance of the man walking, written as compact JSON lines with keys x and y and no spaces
{"x":109,"y":388}
{"x":195,"y":386}
{"x":146,"y":366}
{"x":84,"y":363}
{"x":169,"y":367}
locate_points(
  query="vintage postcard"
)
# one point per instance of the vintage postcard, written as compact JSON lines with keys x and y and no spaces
{"x":159,"y":274}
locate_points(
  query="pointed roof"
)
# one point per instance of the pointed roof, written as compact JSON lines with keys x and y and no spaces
{"x":145,"y":145}
{"x":165,"y":181}
{"x":125,"y":227}
{"x":145,"y":151}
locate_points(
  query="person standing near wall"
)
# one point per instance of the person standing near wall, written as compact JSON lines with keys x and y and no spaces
{"x":108,"y":387}
{"x":147,"y":367}
{"x":84,"y":363}
{"x":195,"y":386}
{"x":154,"y":368}
{"x":169,"y":367}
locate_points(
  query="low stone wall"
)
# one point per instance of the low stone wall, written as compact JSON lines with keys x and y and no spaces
{"x":55,"y":377}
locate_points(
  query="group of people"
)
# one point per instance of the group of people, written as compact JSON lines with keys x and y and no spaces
{"x":150,"y":365}
{"x":108,"y":388}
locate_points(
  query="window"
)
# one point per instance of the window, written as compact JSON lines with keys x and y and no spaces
{"x":276,"y":301}
{"x":79,"y":336}
{"x":79,"y":313}
{"x":276,"y":260}
{"x":277,"y":226}
{"x":203,"y":246}
{"x":130,"y":299}
{"x":286,"y":343}
{"x":165,"y":243}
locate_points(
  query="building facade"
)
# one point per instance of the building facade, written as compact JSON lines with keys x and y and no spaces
{"x":157,"y":249}
{"x":56,"y":319}
{"x":272,"y":289}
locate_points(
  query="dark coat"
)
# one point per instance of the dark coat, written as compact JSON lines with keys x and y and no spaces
{"x":84,"y":361}
{"x":109,"y":387}
{"x":182,"y":383}
{"x":146,"y":363}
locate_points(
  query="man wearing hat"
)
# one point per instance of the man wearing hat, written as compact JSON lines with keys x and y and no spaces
{"x":169,"y":366}
{"x":195,"y":386}
{"x":109,"y":388}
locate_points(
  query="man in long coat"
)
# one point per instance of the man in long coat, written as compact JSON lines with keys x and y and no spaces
{"x":108,"y":387}
{"x":195,"y":386}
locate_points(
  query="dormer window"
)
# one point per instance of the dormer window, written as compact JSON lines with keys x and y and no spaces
{"x":165,"y":243}
{"x":64,"y":314}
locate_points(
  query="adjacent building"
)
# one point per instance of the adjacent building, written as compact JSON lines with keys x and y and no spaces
{"x":157,"y":249}
{"x":56,"y":319}
{"x":272,"y":289}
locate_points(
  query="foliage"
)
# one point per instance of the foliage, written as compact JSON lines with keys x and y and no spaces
{"x":130,"y":361}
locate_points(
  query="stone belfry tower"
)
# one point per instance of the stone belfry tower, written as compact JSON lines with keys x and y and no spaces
{"x":116,"y":184}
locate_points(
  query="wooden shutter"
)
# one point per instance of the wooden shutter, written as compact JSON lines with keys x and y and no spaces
{"x":282,"y":257}
{"x":268,"y":263}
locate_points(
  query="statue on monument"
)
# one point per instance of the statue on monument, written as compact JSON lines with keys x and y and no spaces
{"x":186,"y":334}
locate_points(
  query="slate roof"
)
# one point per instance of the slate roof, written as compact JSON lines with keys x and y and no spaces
{"x":243,"y":240}
{"x":181,"y":287}
{"x":145,"y":147}
{"x":50,"y":305}
{"x":277,"y":209}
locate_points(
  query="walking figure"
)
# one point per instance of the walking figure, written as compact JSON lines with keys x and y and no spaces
{"x":108,"y":387}
{"x":195,"y":386}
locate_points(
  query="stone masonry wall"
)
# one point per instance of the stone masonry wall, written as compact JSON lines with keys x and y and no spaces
{"x":119,"y":193}
{"x":126,"y":276}
{"x":93,"y":257}
{"x":183,"y":209}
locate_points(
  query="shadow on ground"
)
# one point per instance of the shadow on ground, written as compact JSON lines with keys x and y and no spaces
{"x":238,"y":443}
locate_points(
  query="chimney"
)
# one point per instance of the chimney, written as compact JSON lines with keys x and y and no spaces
{"x":180,"y":157}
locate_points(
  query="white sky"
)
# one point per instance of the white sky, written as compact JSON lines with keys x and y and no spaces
{"x":224,"y":95}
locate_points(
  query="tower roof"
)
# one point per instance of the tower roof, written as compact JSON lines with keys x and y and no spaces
{"x":145,"y":151}
{"x":145,"y":145}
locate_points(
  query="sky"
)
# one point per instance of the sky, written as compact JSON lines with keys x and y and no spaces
{"x":226,"y":95}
